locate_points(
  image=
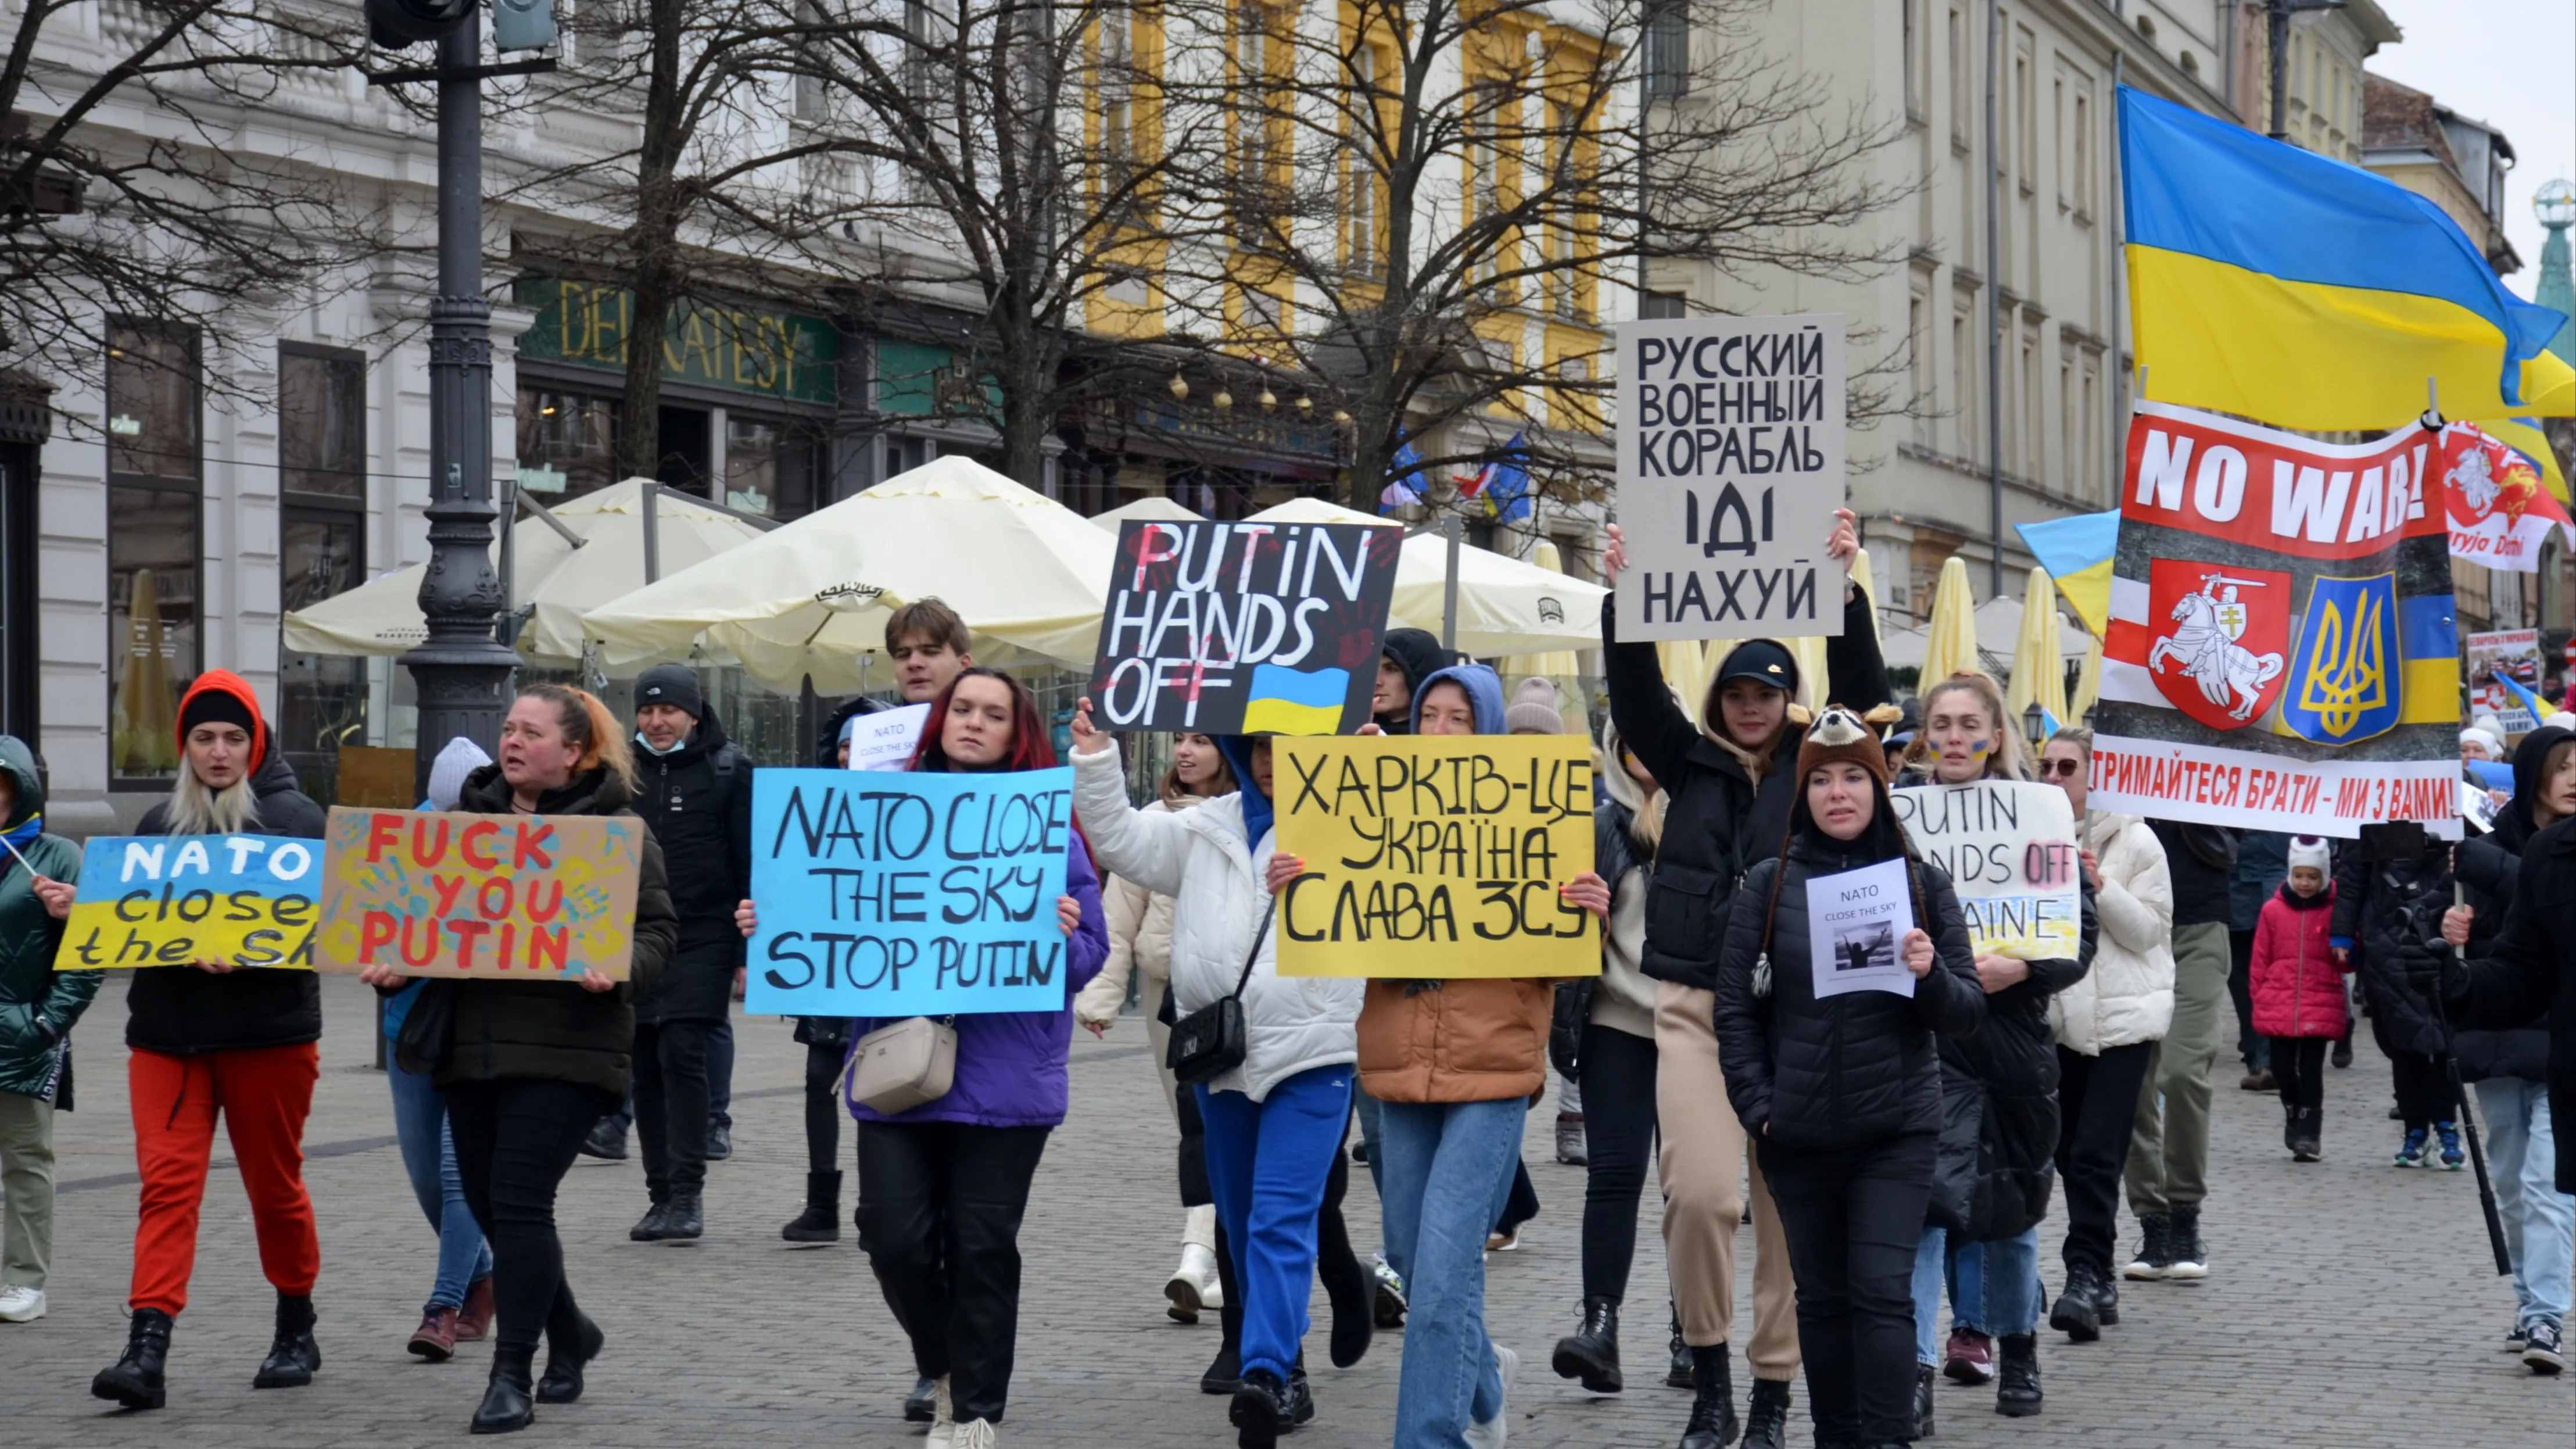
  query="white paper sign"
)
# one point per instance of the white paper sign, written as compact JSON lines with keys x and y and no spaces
{"x":2012,"y":854}
{"x":885,"y":740}
{"x":1856,"y":925}
{"x":1730,"y":442}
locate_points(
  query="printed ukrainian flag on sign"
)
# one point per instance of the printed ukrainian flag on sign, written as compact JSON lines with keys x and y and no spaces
{"x":2275,"y":284}
{"x":1295,"y":701}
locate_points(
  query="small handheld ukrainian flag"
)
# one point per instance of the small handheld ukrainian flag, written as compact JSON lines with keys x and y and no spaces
{"x":2280,"y":285}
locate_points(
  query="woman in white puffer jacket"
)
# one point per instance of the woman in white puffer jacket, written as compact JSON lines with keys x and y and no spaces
{"x":2107,"y":1027}
{"x":1274,"y":1124}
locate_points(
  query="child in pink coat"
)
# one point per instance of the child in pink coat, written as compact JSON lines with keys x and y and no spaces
{"x":2299,"y":991}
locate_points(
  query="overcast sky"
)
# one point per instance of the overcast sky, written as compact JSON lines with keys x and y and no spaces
{"x":2512,"y":64}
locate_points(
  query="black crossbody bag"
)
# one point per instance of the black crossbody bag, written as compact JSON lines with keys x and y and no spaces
{"x":1210,"y":1042}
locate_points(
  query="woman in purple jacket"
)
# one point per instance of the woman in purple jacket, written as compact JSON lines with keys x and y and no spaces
{"x":942,"y":1187}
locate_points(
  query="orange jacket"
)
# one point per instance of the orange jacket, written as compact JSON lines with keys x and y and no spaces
{"x":1455,"y":1041}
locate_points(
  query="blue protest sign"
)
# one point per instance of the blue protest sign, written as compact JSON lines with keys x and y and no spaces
{"x":908,"y":895}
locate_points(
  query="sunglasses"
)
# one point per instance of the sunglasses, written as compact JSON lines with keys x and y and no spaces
{"x":2060,"y":769}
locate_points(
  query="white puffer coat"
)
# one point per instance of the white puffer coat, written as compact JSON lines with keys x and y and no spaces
{"x":2128,"y":996}
{"x":1200,"y":858}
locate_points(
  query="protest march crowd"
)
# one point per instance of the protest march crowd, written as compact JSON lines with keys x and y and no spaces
{"x":1894,"y":1123}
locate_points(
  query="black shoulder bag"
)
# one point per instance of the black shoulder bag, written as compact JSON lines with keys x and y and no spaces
{"x":1210,"y":1042}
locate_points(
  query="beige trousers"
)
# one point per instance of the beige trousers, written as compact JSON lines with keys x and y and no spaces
{"x":1703,"y":1165}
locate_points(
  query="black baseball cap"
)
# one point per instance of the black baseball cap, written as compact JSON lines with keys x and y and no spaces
{"x":1760,"y":659}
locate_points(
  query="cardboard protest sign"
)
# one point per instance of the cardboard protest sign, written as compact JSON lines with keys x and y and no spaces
{"x":2013,"y":856}
{"x":1244,"y":628}
{"x":1435,"y":855}
{"x":167,"y":900}
{"x":886,"y":739}
{"x":446,"y":893}
{"x":1730,"y":455}
{"x":908,"y":895}
{"x":2281,"y":654}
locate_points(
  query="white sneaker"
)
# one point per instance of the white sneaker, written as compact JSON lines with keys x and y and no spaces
{"x":21,"y":1305}
{"x":1194,"y":1285}
{"x":1489,"y":1433}
{"x":979,"y":1434}
{"x":943,"y":1416}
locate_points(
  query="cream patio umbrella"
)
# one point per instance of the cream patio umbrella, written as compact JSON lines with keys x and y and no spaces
{"x":1505,"y":605}
{"x":558,"y":575}
{"x":1029,"y":575}
{"x":1560,"y":667}
{"x":2088,"y":682}
{"x":1157,"y":509}
{"x":1950,"y":642}
{"x":2039,"y":660}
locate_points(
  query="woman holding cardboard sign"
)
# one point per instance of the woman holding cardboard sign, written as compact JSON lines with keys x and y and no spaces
{"x":943,"y":1185}
{"x":209,"y":1039}
{"x":1841,"y":1090}
{"x":528,"y":1067}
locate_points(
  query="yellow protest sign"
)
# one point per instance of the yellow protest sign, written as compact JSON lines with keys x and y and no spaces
{"x":1435,"y":855}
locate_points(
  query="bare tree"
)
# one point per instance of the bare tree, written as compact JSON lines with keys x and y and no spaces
{"x":1428,"y":200}
{"x":177,"y":219}
{"x":1039,"y":163}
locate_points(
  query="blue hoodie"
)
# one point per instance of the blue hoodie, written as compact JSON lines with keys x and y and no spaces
{"x":1484,"y":695}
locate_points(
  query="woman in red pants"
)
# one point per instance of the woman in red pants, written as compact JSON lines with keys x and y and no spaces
{"x":209,"y":1038}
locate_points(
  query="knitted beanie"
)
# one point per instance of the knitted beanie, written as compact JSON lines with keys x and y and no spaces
{"x":1533,"y":710}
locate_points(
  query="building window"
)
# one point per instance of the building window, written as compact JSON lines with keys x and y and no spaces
{"x":322,"y":551}
{"x":1662,"y":306}
{"x":770,"y":467}
{"x":567,"y":442}
{"x":153,"y":550}
{"x":1668,"y":49}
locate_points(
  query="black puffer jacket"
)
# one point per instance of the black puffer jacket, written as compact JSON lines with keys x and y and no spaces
{"x":2488,"y":866}
{"x":176,"y":1010}
{"x":2531,"y":971}
{"x":2202,"y":859}
{"x":2369,"y":896}
{"x":557,"y":1030}
{"x":2007,"y":1076}
{"x":697,"y":799}
{"x":1721,"y":819}
{"x":1818,"y":1074}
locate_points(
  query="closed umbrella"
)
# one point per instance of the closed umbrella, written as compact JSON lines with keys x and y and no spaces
{"x":1505,"y":605}
{"x":1029,"y":575}
{"x":2039,"y":662}
{"x":143,"y":732}
{"x":556,"y":576}
{"x":1950,"y":638}
{"x":2088,"y":682}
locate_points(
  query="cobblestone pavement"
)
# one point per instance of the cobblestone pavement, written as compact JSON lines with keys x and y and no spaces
{"x":2350,"y":1303}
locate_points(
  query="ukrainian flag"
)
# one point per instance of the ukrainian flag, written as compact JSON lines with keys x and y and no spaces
{"x":1295,"y":701}
{"x":2077,"y":553}
{"x":2280,"y":285}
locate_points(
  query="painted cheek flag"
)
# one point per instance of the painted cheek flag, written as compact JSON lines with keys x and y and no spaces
{"x":2077,"y":554}
{"x":2275,"y":284}
{"x":1287,"y":701}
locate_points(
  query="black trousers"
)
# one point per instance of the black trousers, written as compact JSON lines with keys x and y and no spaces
{"x":671,"y":1104}
{"x":823,"y":1111}
{"x":2299,"y":1065}
{"x":1853,"y":1217}
{"x":2423,"y":1089}
{"x":2097,"y":1105}
{"x":1618,"y":1081}
{"x":515,"y":1140}
{"x":939,"y":1215}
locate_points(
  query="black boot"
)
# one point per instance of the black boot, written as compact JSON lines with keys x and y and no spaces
{"x":2307,"y":1126}
{"x":2075,"y":1314}
{"x":654,"y":1226}
{"x":1301,"y":1395}
{"x":292,"y":1354}
{"x":2290,"y":1128}
{"x":1224,"y":1373}
{"x":1352,"y":1293}
{"x":1766,"y":1418}
{"x":2017,"y":1375}
{"x":921,"y":1406}
{"x":1924,"y":1374}
{"x":821,"y":1220}
{"x":564,"y":1361}
{"x":1591,"y":1353}
{"x":134,"y":1380}
{"x":1678,"y":1374}
{"x":1260,"y":1409}
{"x":2106,"y":1295}
{"x":682,"y":1218}
{"x":506,"y":1408}
{"x":1712,"y":1417}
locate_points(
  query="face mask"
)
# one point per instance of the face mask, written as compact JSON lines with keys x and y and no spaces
{"x":648,"y":744}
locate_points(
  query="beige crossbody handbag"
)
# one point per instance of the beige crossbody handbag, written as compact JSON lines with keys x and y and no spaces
{"x":897,"y":1068}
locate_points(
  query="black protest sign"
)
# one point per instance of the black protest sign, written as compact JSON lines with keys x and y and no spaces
{"x":1244,"y":628}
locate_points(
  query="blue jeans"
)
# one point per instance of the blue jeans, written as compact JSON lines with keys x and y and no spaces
{"x":429,"y":1159}
{"x":1267,"y":1162}
{"x":2539,"y":1220}
{"x":1994,"y":1288}
{"x":1448,"y":1167}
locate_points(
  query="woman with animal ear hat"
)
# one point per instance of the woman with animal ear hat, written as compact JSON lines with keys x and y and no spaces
{"x":1730,"y":775}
